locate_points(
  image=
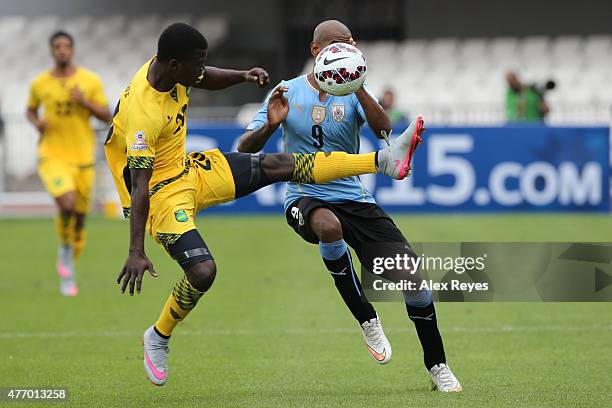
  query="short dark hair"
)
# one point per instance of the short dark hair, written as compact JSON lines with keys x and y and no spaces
{"x":59,"y":34}
{"x":178,"y":41}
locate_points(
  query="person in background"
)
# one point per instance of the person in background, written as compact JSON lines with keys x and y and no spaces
{"x":388,"y":103}
{"x":524,"y":103}
{"x":69,"y":96}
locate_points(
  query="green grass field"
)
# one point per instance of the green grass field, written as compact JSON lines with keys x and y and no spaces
{"x":273,"y":331}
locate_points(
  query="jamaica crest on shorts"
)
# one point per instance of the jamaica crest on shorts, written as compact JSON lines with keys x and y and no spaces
{"x":181,"y":216}
{"x":337,"y":110}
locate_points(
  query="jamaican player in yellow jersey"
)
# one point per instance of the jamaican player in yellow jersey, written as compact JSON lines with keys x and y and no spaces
{"x":69,"y":95}
{"x":162,"y":188}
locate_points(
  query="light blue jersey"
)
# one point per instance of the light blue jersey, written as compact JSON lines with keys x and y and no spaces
{"x":315,"y":126}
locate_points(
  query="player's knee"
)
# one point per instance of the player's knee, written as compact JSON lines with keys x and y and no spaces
{"x":278,"y":166}
{"x":326,"y":225}
{"x":281,"y":160}
{"x":67,"y":203}
{"x":202,"y":275}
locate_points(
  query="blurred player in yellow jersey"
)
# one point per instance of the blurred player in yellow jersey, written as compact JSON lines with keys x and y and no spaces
{"x":69,"y":95}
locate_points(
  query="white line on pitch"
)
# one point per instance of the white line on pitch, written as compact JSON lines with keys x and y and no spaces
{"x":301,"y":332}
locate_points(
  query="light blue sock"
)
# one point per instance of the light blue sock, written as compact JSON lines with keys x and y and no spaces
{"x":418,"y":299}
{"x":332,"y":250}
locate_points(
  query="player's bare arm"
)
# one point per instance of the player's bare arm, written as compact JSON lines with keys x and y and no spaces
{"x":101,"y":112}
{"x":39,"y":123}
{"x":219,"y":78}
{"x":377,"y":118}
{"x":137,"y":262}
{"x":278,"y":109}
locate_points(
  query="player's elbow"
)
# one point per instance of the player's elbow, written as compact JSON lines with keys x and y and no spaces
{"x":379,"y":130}
{"x":386,"y":125}
{"x":137,"y":188}
{"x":243,"y":144}
{"x":139,"y":181}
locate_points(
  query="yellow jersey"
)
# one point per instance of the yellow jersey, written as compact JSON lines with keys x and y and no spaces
{"x":69,"y":136}
{"x":149,"y":131}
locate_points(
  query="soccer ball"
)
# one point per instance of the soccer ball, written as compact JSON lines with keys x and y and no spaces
{"x":340,"y":69}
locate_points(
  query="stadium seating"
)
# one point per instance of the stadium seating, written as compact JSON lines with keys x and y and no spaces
{"x":447,"y":76}
{"x":111,"y":46}
{"x":462,"y":81}
{"x":452,"y":81}
{"x":108,"y":45}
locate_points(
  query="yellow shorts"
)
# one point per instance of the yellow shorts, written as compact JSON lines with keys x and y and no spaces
{"x":207,"y":181}
{"x":60,"y":178}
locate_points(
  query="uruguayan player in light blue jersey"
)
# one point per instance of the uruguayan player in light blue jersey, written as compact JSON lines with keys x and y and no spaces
{"x":343,"y":213}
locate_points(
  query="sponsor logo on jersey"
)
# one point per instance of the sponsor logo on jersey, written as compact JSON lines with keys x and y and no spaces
{"x":181,"y":216}
{"x":337,"y":112}
{"x":318,"y":114}
{"x":140,"y":142}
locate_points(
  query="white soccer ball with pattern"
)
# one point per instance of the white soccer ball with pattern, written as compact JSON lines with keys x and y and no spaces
{"x":340,"y":69}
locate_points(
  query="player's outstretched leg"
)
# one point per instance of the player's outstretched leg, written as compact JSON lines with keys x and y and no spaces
{"x":254,"y":171}
{"x":322,"y":167}
{"x":422,"y":312}
{"x":191,"y":253}
{"x":65,"y":224}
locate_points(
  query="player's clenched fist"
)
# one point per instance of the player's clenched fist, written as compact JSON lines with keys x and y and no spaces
{"x":259,"y":76}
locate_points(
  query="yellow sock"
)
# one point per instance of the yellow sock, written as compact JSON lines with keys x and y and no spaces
{"x":322,"y":167}
{"x":80,"y":237}
{"x":181,"y":301}
{"x":65,"y":227}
